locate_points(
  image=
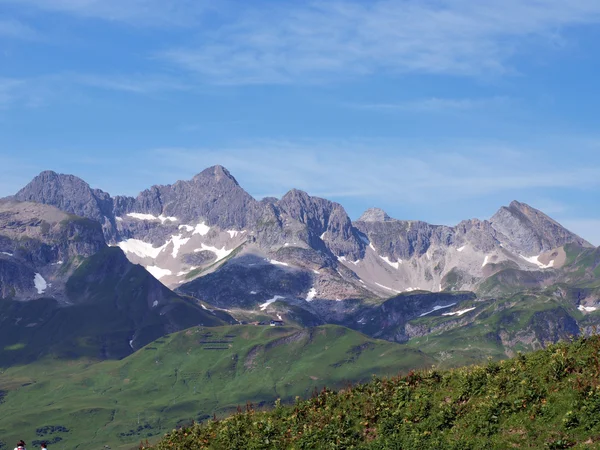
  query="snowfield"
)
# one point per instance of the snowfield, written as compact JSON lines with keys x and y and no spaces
{"x":158,"y":272}
{"x":202,"y":229}
{"x":458,"y":313}
{"x":140,"y":248}
{"x":268,"y":302}
{"x":311,"y":295}
{"x":220,"y":252}
{"x":437,"y":308}
{"x":40,"y":283}
{"x":535,"y":260}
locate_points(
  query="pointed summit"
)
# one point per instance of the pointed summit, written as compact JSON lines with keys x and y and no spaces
{"x":68,"y":193}
{"x":530,"y":231}
{"x":374,"y":215}
{"x":217,"y":173}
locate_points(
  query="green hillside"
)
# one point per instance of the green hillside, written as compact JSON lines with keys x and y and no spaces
{"x":183,"y":376}
{"x":549,"y":399}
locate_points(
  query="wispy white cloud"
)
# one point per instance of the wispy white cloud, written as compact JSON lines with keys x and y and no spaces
{"x":313,"y":42}
{"x":10,"y":28}
{"x":400,"y":171}
{"x":136,"y":12}
{"x":132,"y":83}
{"x":436,"y":104}
{"x":42,"y":90}
{"x":17,"y":92}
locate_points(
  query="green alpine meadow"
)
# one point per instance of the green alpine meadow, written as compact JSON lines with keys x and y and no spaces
{"x":549,"y":399}
{"x":183,"y":377}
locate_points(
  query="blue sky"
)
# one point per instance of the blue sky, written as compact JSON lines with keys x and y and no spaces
{"x":434,"y":110}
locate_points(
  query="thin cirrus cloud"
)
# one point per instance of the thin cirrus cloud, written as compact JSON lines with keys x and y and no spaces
{"x":39,"y":91}
{"x":413,"y":175}
{"x":159,"y":13}
{"x":437,"y":104}
{"x":316,"y":41}
{"x":15,"y":29}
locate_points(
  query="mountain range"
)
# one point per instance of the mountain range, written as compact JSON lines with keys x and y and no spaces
{"x":222,"y":253}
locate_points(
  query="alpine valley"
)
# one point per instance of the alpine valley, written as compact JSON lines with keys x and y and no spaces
{"x":121,"y":317}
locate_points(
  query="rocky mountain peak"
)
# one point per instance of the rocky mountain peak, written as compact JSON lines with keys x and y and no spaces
{"x":529,"y":231}
{"x":374,"y":215}
{"x":68,"y":193}
{"x":217,"y":173}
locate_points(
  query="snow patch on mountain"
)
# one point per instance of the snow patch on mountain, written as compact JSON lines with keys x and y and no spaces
{"x":535,"y":260}
{"x":150,"y":217}
{"x":388,"y":288}
{"x":436,"y":308}
{"x":187,"y":228}
{"x":202,"y":229}
{"x":40,"y":283}
{"x":164,"y":219}
{"x":185,"y":272}
{"x":311,"y":295}
{"x":395,"y":265}
{"x":141,"y":216}
{"x":158,"y":272}
{"x":7,"y":254}
{"x":485,"y":260}
{"x":587,"y":308}
{"x":232,"y":233}
{"x":268,"y":302}
{"x":460,"y":249}
{"x":140,"y":248}
{"x":178,"y":241}
{"x":220,"y":252}
{"x":278,"y":263}
{"x":458,"y":313}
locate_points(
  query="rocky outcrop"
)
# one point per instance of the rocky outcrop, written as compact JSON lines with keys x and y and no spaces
{"x":529,"y":231}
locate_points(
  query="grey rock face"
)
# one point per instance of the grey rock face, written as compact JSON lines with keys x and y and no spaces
{"x":374,"y":215}
{"x":530,"y":231}
{"x":39,"y":239}
{"x":68,"y":193}
{"x":401,"y":239}
{"x":213,"y":195}
{"x":321,"y":217}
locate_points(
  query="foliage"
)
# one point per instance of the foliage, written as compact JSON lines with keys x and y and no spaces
{"x":187,"y":375}
{"x":547,"y":399}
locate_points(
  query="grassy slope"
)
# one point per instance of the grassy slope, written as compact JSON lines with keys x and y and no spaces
{"x":112,"y":300}
{"x":548,"y":399}
{"x":518,"y":319}
{"x":181,"y":376}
